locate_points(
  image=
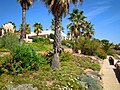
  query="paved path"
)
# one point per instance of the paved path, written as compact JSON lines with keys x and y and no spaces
{"x":110,"y":81}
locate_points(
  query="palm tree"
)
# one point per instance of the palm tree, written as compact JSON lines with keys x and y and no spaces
{"x":27,"y":27}
{"x":88,"y":30}
{"x":53,"y":25}
{"x":25,"y":4}
{"x":77,"y":19}
{"x":58,"y":9}
{"x":38,"y":28}
{"x":76,"y":25}
{"x":106,"y":45}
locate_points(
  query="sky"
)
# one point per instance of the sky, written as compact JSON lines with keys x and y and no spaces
{"x":104,"y":14}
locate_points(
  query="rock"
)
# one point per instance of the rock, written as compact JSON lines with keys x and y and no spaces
{"x":21,"y":87}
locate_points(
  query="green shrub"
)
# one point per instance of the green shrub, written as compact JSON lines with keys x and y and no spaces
{"x":106,"y":45}
{"x":90,"y":83}
{"x":88,"y":47}
{"x":67,"y":43}
{"x":40,"y":46}
{"x":101,"y":54}
{"x":111,"y":52}
{"x":66,"y":56}
{"x":41,"y":40}
{"x":95,"y":67}
{"x":51,"y":36}
{"x":9,"y":41}
{"x":21,"y":59}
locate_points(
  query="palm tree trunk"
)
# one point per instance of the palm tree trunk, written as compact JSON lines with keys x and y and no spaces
{"x":57,"y":42}
{"x":37,"y":35}
{"x":23,"y":25}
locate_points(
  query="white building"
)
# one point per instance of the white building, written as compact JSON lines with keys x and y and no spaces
{"x":8,"y":27}
{"x":44,"y":34}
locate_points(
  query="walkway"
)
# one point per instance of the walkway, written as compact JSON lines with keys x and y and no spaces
{"x":110,"y":80}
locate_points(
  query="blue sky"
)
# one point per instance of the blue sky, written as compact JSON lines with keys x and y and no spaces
{"x":104,"y":14}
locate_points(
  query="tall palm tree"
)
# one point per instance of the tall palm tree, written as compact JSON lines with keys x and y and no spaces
{"x":77,"y":19}
{"x":27,"y":28}
{"x":25,"y":4}
{"x":38,"y":28}
{"x":58,"y":9}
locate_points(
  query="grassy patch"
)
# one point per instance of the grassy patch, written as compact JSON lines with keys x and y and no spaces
{"x":41,"y":46}
{"x":86,"y":63}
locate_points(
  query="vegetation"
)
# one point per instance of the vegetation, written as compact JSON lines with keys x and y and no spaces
{"x":87,"y":46}
{"x":77,"y":19}
{"x":67,"y":43}
{"x":106,"y":45}
{"x":66,"y":77}
{"x":79,"y":27}
{"x":9,"y":41}
{"x":41,"y":46}
{"x":38,"y":28}
{"x":22,"y":58}
{"x":27,"y":28}
{"x":41,"y":40}
{"x":90,"y":83}
{"x":27,"y":64}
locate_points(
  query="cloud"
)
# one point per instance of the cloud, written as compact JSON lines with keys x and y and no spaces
{"x":112,"y":19}
{"x":97,"y":11}
{"x":103,"y":2}
{"x":99,"y":8}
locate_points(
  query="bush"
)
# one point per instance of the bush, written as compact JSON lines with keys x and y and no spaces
{"x":9,"y":41}
{"x":21,"y":59}
{"x":88,"y":47}
{"x":65,"y":56}
{"x":51,"y":36}
{"x":111,"y":52}
{"x":41,"y":46}
{"x":101,"y":54}
{"x":43,"y":40}
{"x":67,"y":43}
{"x":90,"y":83}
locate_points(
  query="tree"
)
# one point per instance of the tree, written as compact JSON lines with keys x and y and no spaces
{"x":88,"y":30}
{"x":76,"y":25}
{"x":106,"y":45}
{"x":58,"y":9}
{"x":38,"y":28}
{"x":53,"y":25}
{"x":25,"y":4}
{"x":28,"y":29}
{"x":77,"y":19}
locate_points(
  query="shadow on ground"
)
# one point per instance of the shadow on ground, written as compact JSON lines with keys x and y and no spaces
{"x":117,"y":73}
